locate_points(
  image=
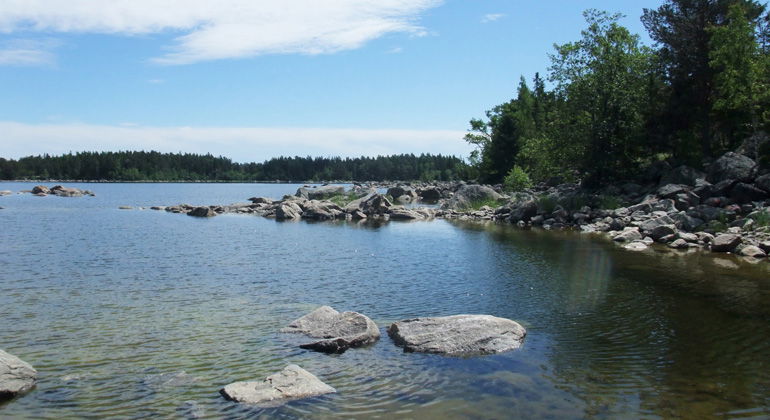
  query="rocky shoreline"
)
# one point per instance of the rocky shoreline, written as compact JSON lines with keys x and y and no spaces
{"x":724,"y":210}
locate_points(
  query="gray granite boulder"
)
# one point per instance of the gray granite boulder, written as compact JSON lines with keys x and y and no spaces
{"x":16,"y":376}
{"x":405,"y":214}
{"x":663,"y":230}
{"x":40,"y":189}
{"x":291,"y":383}
{"x":726,"y":242}
{"x":731,"y":166}
{"x":288,"y":211}
{"x":320,"y":193}
{"x":202,"y":212}
{"x":337,"y":331}
{"x":458,"y":335}
{"x":629,"y":234}
{"x":468,"y":195}
{"x":763,"y":182}
{"x":753,"y":251}
{"x":430,"y":193}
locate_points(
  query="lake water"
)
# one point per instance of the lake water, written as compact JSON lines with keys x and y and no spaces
{"x":147,"y":314}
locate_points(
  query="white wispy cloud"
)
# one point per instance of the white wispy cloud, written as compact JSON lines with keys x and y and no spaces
{"x":242,"y":144}
{"x":395,"y":50}
{"x":491,"y":17}
{"x":210,"y":30}
{"x":28,"y":52}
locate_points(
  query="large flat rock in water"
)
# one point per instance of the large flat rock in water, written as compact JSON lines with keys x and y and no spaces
{"x":337,"y":331}
{"x":458,"y":335}
{"x":291,"y":383}
{"x":16,"y":376}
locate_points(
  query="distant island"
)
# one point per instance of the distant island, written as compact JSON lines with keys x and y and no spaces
{"x":127,"y":166}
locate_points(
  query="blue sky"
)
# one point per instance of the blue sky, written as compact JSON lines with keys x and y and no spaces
{"x":254,"y":79}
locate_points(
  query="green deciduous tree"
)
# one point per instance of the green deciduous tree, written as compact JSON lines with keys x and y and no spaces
{"x":602,"y":83}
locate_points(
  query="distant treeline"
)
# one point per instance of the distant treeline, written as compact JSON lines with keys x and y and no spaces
{"x":155,"y":166}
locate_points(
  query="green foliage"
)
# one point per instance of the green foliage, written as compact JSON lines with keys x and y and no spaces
{"x":155,"y":166}
{"x":683,"y":30}
{"x":740,"y":79}
{"x":574,"y":202}
{"x":602,"y":80}
{"x":343,"y":200}
{"x":761,"y":218}
{"x":517,"y":179}
{"x":610,"y":202}
{"x":617,"y":104}
{"x":546,"y":204}
{"x":716,"y":226}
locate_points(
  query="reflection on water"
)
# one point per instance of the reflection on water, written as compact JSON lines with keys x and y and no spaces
{"x":147,"y":314}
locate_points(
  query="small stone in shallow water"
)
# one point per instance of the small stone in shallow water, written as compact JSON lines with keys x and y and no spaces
{"x":291,"y":383}
{"x":16,"y":376}
{"x":458,"y":335}
{"x":338,"y":331}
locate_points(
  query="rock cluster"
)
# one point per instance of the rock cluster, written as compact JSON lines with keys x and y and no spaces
{"x":724,"y":210}
{"x":371,"y":206}
{"x":61,"y":191}
{"x":680,"y":207}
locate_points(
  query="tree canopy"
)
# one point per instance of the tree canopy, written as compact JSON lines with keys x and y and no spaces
{"x":616,"y":105}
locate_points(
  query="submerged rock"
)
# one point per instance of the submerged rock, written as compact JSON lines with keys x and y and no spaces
{"x":168,"y":379}
{"x":16,"y":376}
{"x":458,"y":335}
{"x":191,"y":410}
{"x":339,"y":331}
{"x":291,"y":383}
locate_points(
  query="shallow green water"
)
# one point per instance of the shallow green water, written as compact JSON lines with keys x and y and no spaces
{"x":142,"y":314}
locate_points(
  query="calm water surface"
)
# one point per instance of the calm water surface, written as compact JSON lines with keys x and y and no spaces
{"x":145,"y":314}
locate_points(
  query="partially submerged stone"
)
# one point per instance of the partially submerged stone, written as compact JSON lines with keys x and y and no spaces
{"x":291,"y":383}
{"x":338,"y":331}
{"x":725,"y":242}
{"x":202,"y":211}
{"x":636,"y":246}
{"x":16,"y":376}
{"x":458,"y":335}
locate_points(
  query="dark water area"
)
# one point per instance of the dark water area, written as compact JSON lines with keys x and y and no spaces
{"x":146,"y":314}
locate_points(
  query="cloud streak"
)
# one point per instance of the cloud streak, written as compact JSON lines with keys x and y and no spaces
{"x":27,"y":52}
{"x":491,"y":17}
{"x":224,"y":29}
{"x":242,"y":144}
